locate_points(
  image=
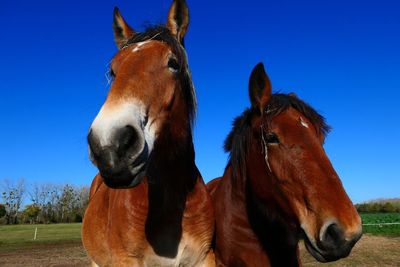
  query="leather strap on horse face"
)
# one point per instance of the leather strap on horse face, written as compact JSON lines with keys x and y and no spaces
{"x":264,"y":146}
{"x":264,"y":143}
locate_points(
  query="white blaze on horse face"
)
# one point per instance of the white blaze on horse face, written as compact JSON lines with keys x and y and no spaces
{"x":138,"y":45}
{"x":303,"y":123}
{"x":110,"y":119}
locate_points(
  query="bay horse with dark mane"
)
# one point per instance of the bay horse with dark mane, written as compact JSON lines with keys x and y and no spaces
{"x":148,"y":205}
{"x":279,"y":185}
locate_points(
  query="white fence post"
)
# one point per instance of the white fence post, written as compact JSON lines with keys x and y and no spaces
{"x":34,"y":237}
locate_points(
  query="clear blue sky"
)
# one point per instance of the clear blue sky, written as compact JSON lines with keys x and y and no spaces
{"x":343,"y":57}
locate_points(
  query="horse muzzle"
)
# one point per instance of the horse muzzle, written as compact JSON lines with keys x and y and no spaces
{"x":122,"y":161}
{"x":333,"y":243}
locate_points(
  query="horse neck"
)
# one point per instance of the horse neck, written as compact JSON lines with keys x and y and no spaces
{"x":172,"y":172}
{"x":275,"y":236}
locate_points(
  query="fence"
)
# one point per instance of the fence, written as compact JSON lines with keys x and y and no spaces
{"x":380,"y":224}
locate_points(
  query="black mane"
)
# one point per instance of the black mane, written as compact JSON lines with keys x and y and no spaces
{"x":238,"y":140}
{"x":158,"y":33}
{"x":163,"y":34}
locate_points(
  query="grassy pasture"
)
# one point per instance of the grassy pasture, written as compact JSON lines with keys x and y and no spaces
{"x":55,"y":245}
{"x":17,"y":236}
{"x":60,"y":245}
{"x":380,"y":228}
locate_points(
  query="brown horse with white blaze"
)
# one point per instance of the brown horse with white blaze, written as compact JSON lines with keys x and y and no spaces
{"x":279,"y":186}
{"x":148,"y":205}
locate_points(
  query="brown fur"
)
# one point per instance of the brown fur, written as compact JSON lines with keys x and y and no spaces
{"x":167,"y":219}
{"x":260,"y":214}
{"x":114,"y":228}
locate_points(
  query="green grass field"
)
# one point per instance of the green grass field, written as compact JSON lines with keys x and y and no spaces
{"x":380,"y":228}
{"x":60,"y":245}
{"x":17,"y":236}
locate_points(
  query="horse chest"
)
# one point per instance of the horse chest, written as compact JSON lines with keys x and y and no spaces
{"x":188,"y":255}
{"x":129,"y":242}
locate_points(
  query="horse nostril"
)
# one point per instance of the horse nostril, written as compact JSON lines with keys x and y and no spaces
{"x":333,"y":236}
{"x":128,"y":140}
{"x":336,"y":243}
{"x":117,"y":153}
{"x":108,"y":160}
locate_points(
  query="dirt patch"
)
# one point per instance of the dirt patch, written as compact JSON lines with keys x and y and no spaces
{"x":369,"y":251}
{"x":55,"y":255}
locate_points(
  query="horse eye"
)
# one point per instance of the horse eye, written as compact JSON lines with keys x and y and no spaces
{"x":173,"y":65}
{"x":272,"y":139}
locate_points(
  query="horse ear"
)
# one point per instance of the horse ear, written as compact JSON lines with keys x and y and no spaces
{"x":178,"y":19}
{"x":260,"y":89}
{"x":122,"y":31}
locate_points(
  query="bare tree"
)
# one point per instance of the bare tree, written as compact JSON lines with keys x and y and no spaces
{"x":49,"y":203}
{"x":83,"y":200}
{"x":13,"y":196}
{"x":51,"y":208}
{"x":40,"y":195}
{"x":72,"y":203}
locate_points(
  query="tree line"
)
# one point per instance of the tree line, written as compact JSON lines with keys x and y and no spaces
{"x":378,"y":207}
{"x":65,"y":203}
{"x":41,"y":202}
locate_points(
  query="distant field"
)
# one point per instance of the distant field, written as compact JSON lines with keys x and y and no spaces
{"x":17,"y":236}
{"x":60,"y":245}
{"x":380,"y":219}
{"x":56,"y":245}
